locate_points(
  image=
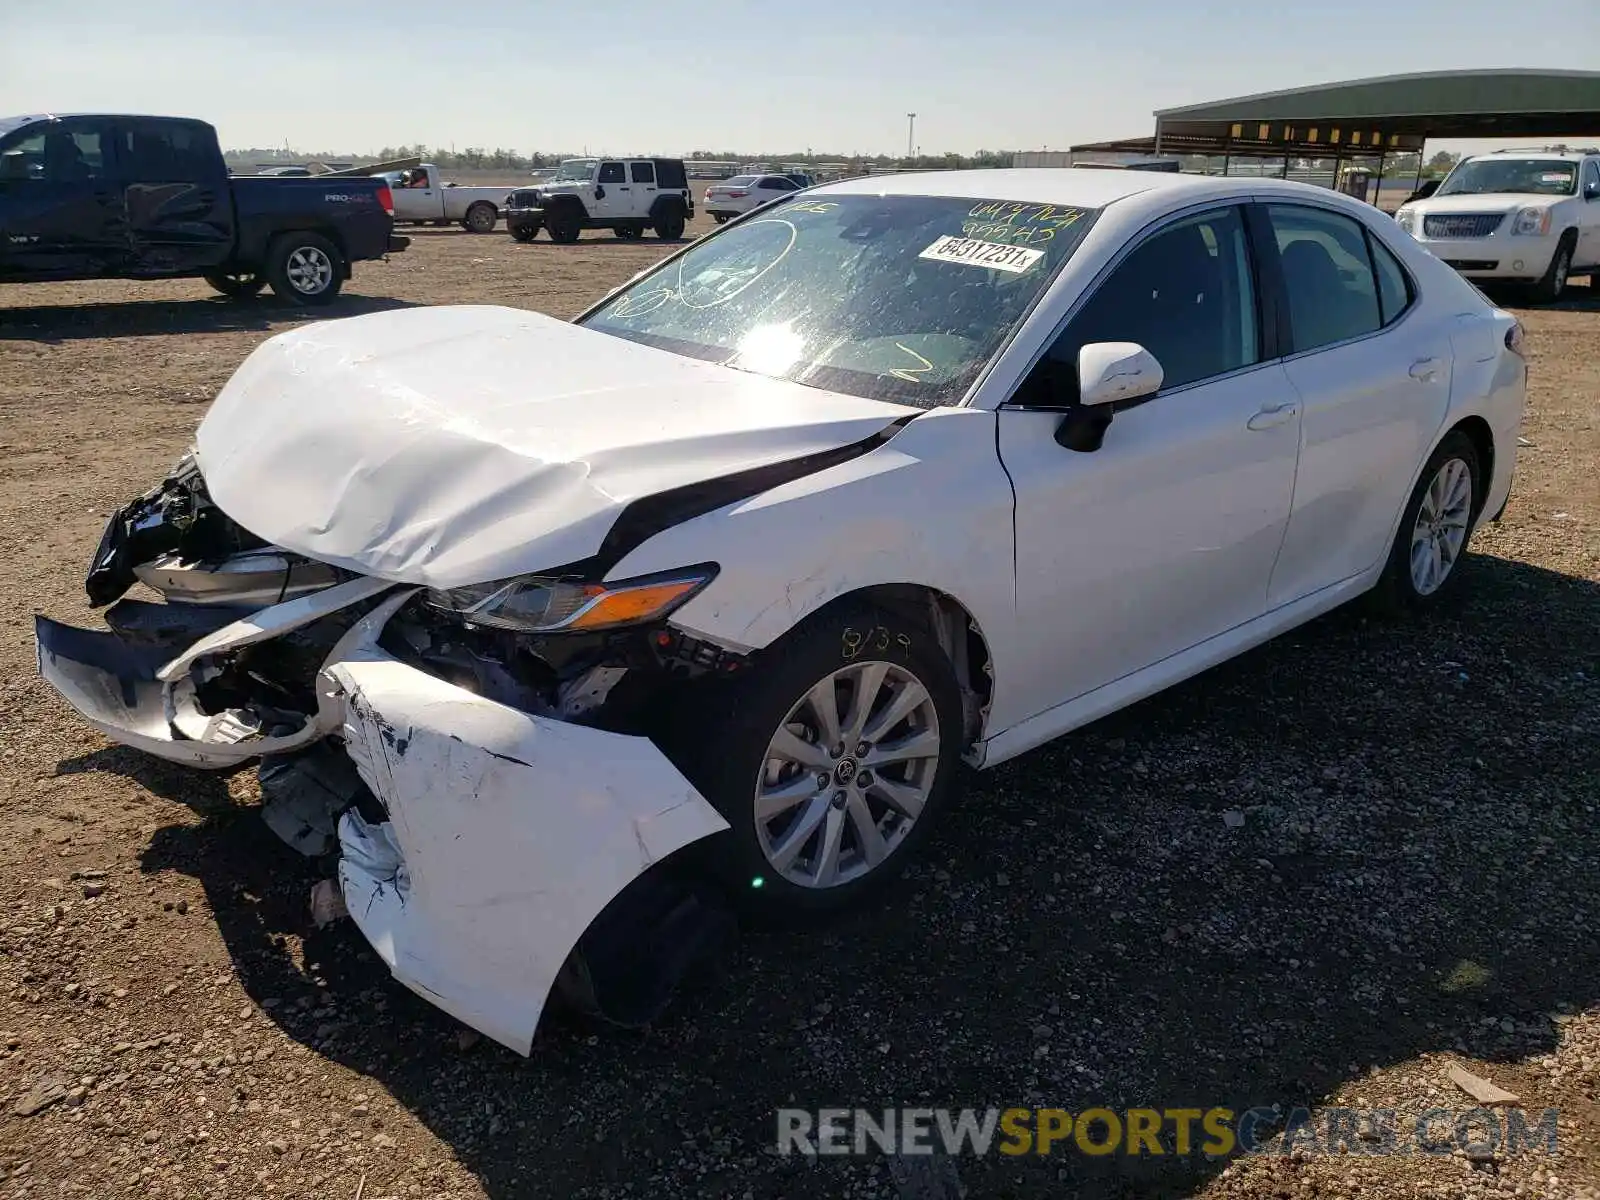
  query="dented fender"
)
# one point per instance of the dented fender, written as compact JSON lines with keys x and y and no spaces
{"x":508,"y":834}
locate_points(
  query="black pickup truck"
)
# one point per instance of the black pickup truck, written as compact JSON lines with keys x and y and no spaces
{"x":126,"y":197}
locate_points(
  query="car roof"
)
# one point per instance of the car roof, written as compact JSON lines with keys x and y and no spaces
{"x":1083,"y":189}
{"x":7,"y":124}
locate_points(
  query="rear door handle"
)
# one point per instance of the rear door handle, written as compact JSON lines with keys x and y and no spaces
{"x":1271,"y":418}
{"x":1425,"y":369}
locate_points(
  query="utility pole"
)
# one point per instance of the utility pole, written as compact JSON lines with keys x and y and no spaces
{"x":911,"y":128}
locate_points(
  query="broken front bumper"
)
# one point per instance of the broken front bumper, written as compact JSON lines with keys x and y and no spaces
{"x":507,"y":833}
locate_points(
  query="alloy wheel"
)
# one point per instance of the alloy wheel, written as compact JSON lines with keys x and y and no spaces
{"x":1440,"y":531}
{"x":847,"y":774}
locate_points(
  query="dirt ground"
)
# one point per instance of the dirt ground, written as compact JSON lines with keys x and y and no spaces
{"x":1319,"y":875}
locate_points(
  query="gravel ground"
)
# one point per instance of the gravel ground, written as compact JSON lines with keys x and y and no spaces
{"x":1322,"y":874}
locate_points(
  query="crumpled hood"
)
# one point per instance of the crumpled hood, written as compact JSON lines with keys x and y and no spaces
{"x":453,"y":445}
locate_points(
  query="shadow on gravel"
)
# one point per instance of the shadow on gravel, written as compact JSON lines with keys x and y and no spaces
{"x":146,"y":318}
{"x":1415,"y":872}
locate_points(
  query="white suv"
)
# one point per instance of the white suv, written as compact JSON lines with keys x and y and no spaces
{"x":624,"y":195}
{"x":1518,"y":216}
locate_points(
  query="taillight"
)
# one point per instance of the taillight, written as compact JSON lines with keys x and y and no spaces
{"x":386,"y":199}
{"x":1515,"y":340}
{"x":707,"y":196}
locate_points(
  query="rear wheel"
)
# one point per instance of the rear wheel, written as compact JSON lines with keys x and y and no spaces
{"x":1424,"y":563}
{"x":719,"y":218}
{"x":669,"y":225}
{"x":239,"y":286}
{"x":304,"y":268}
{"x":829,"y":762}
{"x":480,"y":218}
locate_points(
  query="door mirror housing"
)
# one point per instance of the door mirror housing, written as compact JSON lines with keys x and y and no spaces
{"x":1591,"y":191}
{"x":1113,"y":371}
{"x":1108,"y":372}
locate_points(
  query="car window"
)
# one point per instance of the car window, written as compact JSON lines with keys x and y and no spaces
{"x":777,"y":184}
{"x":1327,"y":275}
{"x":1186,"y":294}
{"x":739,"y":181}
{"x":167,"y":152}
{"x":643,"y":172}
{"x":889,"y":297}
{"x":60,"y":152}
{"x":611,"y":172}
{"x":1512,"y":176}
{"x":1394,"y":287}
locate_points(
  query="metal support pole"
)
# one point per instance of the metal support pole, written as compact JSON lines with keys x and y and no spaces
{"x":1421,"y":150}
{"x":1227,"y":160}
{"x":1378,"y":193}
{"x":1158,"y":139}
{"x":1285,"y":174}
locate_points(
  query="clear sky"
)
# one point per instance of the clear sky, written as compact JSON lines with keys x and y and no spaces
{"x":750,"y":75}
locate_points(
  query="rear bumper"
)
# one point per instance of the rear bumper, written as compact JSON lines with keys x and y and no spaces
{"x":507,"y":833}
{"x":398,"y":242}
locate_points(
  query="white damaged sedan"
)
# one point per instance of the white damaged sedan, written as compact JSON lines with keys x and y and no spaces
{"x":730,"y":572}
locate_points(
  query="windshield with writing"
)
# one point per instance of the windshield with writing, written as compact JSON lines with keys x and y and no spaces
{"x":1513,"y":176}
{"x":901,"y":298}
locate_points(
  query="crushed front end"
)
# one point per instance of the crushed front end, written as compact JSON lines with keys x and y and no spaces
{"x":477,"y":759}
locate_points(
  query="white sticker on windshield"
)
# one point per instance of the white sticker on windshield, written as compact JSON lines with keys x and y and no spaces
{"x":973,"y":253}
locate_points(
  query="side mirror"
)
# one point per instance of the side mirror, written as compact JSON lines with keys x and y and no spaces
{"x":1112,"y":371}
{"x":1108,"y":372}
{"x":599,"y":192}
{"x":1591,"y":191}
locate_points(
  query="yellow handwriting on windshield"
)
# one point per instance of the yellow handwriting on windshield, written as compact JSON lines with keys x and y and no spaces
{"x":911,"y":374}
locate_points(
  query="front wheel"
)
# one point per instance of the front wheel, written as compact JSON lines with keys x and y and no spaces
{"x":240,"y":286}
{"x":563,"y":229}
{"x":829,"y":762}
{"x":524,"y":233}
{"x":1550,"y":288}
{"x":304,"y":268}
{"x":1423,"y":566}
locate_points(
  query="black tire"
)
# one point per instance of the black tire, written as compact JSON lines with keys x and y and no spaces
{"x":1397,"y":590}
{"x":563,"y":228}
{"x":722,"y":748}
{"x":238,"y":287}
{"x":481,"y":218}
{"x":719,"y":218}
{"x":1550,"y":288}
{"x":524,"y":233}
{"x":669,"y":225}
{"x":304,"y":268}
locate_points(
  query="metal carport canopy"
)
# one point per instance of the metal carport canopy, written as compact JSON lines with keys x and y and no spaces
{"x":1389,"y":114}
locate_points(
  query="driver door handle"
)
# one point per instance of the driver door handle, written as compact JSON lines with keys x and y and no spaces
{"x":1271,"y":418}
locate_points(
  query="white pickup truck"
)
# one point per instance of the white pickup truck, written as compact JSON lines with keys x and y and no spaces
{"x":1529,"y":217}
{"x":420,"y":195}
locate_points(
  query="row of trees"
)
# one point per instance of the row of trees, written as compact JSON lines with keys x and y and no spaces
{"x":475,"y":158}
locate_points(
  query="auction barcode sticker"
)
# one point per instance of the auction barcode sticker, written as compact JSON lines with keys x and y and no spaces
{"x":974,"y":253}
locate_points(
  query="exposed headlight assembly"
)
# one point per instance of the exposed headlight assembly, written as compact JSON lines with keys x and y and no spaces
{"x":547,"y":604}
